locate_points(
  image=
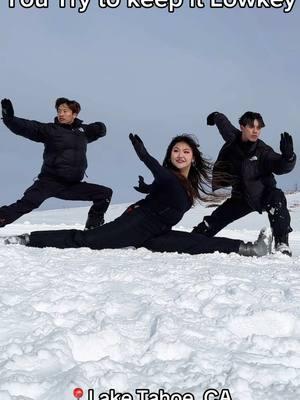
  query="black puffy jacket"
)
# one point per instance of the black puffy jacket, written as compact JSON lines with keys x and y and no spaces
{"x":65,"y":145}
{"x":247,"y":167}
{"x":168,"y":199}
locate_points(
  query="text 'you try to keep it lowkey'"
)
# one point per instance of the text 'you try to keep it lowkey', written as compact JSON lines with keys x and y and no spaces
{"x":170,"y":5}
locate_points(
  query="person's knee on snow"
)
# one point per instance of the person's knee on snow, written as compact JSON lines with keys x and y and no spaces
{"x":2,"y":221}
{"x":207,"y":227}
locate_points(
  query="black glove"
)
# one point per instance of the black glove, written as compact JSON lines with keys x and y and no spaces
{"x":137,"y":144}
{"x":286,"y":146}
{"x":211,"y":118}
{"x":7,"y":109}
{"x":142,"y":187}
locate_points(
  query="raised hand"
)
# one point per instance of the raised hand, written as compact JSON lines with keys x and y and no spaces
{"x":7,"y":109}
{"x":286,"y":146}
{"x":137,"y":144}
{"x":211,"y":118}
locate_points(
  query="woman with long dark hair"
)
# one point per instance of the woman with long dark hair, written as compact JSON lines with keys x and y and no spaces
{"x":178,"y":183}
{"x":198,"y":179}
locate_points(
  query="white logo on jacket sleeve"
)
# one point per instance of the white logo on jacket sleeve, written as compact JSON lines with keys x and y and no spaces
{"x":253,"y":158}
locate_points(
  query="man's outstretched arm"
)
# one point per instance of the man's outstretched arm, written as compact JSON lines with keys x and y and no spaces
{"x":95,"y":131}
{"x":32,"y":130}
{"x":226,"y":129}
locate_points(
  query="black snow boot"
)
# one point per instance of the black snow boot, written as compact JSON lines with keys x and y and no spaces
{"x":282,"y":244}
{"x":259,"y":248}
{"x":94,"y":220}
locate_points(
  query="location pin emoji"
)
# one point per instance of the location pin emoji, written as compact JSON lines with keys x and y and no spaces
{"x":78,"y":393}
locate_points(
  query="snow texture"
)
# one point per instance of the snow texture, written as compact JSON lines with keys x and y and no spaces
{"x":128,"y":319}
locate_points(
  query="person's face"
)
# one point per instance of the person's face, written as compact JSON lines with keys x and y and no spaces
{"x":182,"y":157}
{"x":251,"y":132}
{"x":65,"y":115}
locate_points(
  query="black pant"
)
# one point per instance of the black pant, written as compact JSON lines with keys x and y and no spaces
{"x":132,"y":228}
{"x":191,"y":243}
{"x":274,"y":203}
{"x":135,"y":228}
{"x":44,"y":188}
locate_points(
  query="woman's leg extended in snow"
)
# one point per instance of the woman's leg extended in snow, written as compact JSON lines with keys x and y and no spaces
{"x":130,"y":229}
{"x":191,"y":243}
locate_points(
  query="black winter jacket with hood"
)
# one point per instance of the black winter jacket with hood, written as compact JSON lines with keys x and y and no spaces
{"x":65,"y":145}
{"x":247,"y":166}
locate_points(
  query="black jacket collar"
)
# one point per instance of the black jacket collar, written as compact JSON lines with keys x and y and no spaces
{"x":76,"y":123}
{"x":248,"y":147}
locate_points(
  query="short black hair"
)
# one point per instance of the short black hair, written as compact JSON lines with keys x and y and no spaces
{"x":249,"y":117}
{"x":72,"y":104}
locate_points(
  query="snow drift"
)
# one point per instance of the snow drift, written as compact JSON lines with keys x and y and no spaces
{"x":129,"y":319}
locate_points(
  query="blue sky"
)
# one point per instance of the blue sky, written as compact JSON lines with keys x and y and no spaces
{"x":149,"y":72}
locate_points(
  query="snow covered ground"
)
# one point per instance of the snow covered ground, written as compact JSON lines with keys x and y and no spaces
{"x":130,"y":319}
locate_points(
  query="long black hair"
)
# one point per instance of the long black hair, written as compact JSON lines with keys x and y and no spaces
{"x":198,"y":181}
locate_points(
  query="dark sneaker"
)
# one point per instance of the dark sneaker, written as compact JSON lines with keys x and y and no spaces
{"x":19,"y":239}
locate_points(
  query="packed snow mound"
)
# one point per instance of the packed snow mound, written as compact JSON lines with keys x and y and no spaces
{"x":129,"y":319}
